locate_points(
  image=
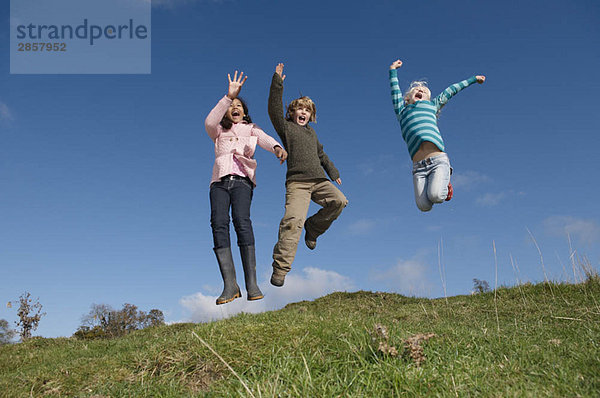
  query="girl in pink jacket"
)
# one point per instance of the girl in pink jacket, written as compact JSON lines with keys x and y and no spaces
{"x":233,"y":181}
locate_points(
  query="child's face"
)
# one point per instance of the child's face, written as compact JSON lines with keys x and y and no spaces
{"x":235,"y":113}
{"x":419,"y":94}
{"x":302,"y":115}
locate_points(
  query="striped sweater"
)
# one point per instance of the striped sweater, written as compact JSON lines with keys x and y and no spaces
{"x":418,"y":121}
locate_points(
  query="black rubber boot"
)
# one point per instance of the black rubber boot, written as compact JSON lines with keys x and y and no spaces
{"x":231,"y":291}
{"x":249,"y":262}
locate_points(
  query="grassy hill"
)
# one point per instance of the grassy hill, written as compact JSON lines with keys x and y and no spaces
{"x":530,"y":340}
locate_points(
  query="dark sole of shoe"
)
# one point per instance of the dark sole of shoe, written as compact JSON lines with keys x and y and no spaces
{"x":229,"y":300}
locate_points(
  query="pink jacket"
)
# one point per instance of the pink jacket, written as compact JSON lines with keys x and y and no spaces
{"x":239,"y":142}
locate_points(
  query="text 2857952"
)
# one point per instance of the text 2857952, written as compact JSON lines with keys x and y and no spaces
{"x":41,"y":46}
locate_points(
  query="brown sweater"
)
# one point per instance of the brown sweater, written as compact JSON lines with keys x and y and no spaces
{"x":306,"y":158}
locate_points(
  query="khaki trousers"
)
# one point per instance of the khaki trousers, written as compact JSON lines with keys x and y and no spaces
{"x":298,"y":195}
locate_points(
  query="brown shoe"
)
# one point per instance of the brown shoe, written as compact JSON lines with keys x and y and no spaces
{"x":277,"y":279}
{"x":309,"y":239}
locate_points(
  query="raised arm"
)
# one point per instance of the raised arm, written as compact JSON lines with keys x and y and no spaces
{"x":276,"y":101}
{"x":397,"y":99}
{"x":451,"y":91}
{"x":211,"y":124}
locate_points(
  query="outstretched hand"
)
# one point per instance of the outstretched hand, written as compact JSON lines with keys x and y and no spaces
{"x":235,"y":85}
{"x":281,"y":154}
{"x":279,"y":70}
{"x":339,"y":181}
{"x":396,"y":64}
{"x":480,"y":79}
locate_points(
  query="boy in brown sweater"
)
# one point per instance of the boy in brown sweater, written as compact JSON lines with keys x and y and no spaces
{"x":305,"y":178}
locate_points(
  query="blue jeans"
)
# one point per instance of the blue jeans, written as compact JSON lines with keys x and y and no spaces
{"x":431,"y":177}
{"x":237,"y":194}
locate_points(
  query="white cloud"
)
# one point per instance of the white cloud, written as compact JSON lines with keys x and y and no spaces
{"x":362,"y":226}
{"x":408,"y":277}
{"x":490,"y":199}
{"x":468,"y":179}
{"x":213,"y":290}
{"x":584,"y":230}
{"x":5,"y":113}
{"x":308,"y":284}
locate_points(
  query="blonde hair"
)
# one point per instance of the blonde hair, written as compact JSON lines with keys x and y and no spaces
{"x":302,"y":102}
{"x":415,"y":85}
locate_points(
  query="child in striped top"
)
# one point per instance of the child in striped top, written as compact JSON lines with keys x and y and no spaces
{"x":417,"y":114}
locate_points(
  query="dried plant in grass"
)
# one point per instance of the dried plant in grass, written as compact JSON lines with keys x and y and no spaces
{"x":412,"y":346}
{"x":387,"y":349}
{"x":380,"y":336}
{"x":555,"y":341}
{"x":380,"y":332}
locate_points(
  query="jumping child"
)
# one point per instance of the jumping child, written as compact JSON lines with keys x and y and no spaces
{"x":233,"y":180}
{"x":417,"y":114}
{"x":305,"y":178}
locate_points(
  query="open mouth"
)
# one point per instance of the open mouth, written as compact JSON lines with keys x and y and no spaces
{"x":419,"y":95}
{"x":302,"y":118}
{"x":235,"y":113}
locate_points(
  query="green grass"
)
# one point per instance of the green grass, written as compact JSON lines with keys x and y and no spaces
{"x":526,"y":341}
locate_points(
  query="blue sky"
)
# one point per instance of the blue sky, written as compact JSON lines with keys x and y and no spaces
{"x":104,"y":178}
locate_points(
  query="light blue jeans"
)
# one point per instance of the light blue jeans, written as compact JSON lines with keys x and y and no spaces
{"x":430,"y":178}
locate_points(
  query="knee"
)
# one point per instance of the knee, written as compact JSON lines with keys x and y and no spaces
{"x":292,"y":223}
{"x":424,"y":205}
{"x":438,"y":197}
{"x":338,"y":204}
{"x":242,"y":223}
{"x":424,"y":208}
{"x":217,"y":221}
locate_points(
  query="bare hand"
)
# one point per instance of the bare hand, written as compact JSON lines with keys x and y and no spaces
{"x":281,"y":154}
{"x":339,"y":181}
{"x":236,"y":84}
{"x":396,"y":64}
{"x":279,"y":70}
{"x":480,"y":79}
